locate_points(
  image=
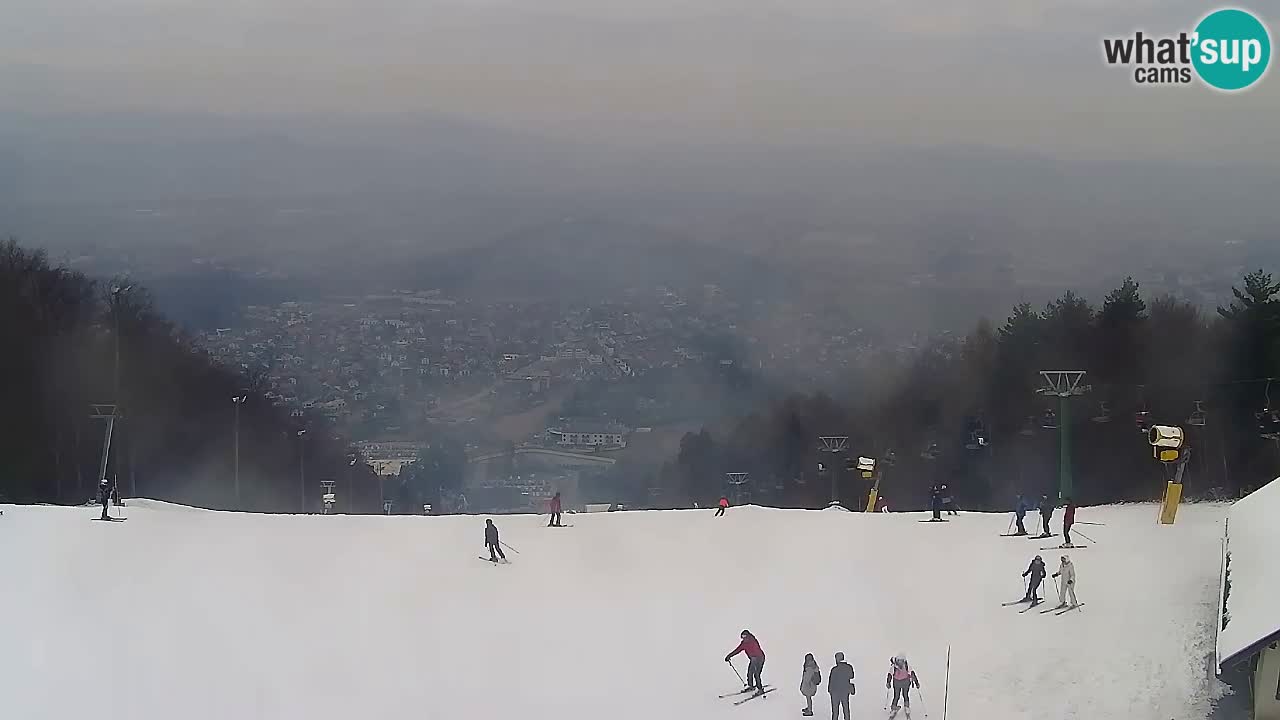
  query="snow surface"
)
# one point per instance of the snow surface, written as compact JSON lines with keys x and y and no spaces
{"x":194,"y":614}
{"x":1253,"y":604}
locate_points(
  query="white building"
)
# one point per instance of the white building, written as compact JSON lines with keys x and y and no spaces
{"x":1249,"y":611}
{"x":590,"y":434}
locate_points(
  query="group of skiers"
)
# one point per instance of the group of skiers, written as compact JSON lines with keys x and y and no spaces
{"x":1035,"y":573}
{"x":1022,"y":507}
{"x":840,"y":686}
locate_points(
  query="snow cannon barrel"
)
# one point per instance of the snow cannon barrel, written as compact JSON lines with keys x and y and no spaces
{"x":1165,"y":441}
{"x":867,"y":466}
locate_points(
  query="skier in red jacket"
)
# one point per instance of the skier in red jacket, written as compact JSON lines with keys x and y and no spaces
{"x":555,"y":511}
{"x":1068,"y":519}
{"x":755,"y":655}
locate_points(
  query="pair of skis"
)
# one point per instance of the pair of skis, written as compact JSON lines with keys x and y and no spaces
{"x":503,"y":561}
{"x":755,"y":694}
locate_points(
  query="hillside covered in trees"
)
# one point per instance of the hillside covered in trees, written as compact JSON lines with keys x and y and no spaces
{"x":965,"y":411}
{"x":72,"y":342}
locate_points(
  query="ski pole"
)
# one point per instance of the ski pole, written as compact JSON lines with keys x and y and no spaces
{"x":923,"y":705}
{"x":886,"y":698}
{"x":1086,"y":537}
{"x":1010,"y":530}
{"x":735,"y":672}
{"x":505,"y":545}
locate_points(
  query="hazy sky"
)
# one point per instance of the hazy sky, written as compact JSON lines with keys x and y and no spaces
{"x":1024,"y":74}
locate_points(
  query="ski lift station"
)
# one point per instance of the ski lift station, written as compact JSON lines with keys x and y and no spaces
{"x":1249,"y":614}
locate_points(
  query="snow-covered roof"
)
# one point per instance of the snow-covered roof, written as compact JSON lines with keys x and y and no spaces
{"x":1252,"y":611}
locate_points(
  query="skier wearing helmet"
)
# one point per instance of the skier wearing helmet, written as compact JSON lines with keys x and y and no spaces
{"x":901,"y":678}
{"x":1037,"y":572}
{"x":755,"y":658}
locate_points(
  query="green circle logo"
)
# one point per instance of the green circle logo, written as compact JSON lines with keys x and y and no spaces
{"x":1232,"y":49}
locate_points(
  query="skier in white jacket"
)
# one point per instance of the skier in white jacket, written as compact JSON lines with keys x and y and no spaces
{"x":1066,"y":571}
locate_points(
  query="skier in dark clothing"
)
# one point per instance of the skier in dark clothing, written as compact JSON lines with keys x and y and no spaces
{"x":555,"y":511}
{"x":840,"y":687}
{"x":755,"y":658}
{"x":1020,"y":512}
{"x":104,"y":497}
{"x":1046,"y":513}
{"x":935,"y":501}
{"x":491,"y":541}
{"x":1037,"y":572}
{"x":901,"y":678}
{"x":1068,"y":519}
{"x":948,"y":502}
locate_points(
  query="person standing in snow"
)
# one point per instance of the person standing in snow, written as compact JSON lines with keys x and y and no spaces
{"x":901,"y":678}
{"x":104,"y":497}
{"x":724,"y":505}
{"x":1037,"y":572}
{"x":935,"y":502}
{"x":755,"y":657}
{"x":810,"y":679}
{"x":1046,"y":513}
{"x":1067,"y":571}
{"x":1068,"y":519}
{"x":1020,"y":512}
{"x":491,"y":541}
{"x":555,"y":511}
{"x":840,"y":687}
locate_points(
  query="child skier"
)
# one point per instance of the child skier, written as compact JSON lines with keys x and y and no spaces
{"x":724,"y":505}
{"x":901,"y":678}
{"x":810,"y":679}
{"x":491,"y":541}
{"x":935,"y":502}
{"x":755,"y":657}
{"x":1037,"y":572}
{"x":1067,"y":571}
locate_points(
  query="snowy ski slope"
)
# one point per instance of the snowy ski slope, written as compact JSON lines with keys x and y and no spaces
{"x":182,"y":613}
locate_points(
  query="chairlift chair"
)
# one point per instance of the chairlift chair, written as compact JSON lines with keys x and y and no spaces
{"x":1142,"y":419}
{"x":1104,"y":413}
{"x":1198,"y":416}
{"x":1029,"y":427}
{"x":1269,"y":424}
{"x":930,"y":452}
{"x":1049,"y":421}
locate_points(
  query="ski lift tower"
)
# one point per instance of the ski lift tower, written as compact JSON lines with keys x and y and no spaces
{"x":736,"y":481}
{"x":109,"y":413}
{"x":328,"y":496}
{"x":1064,"y":384}
{"x":834,"y":444}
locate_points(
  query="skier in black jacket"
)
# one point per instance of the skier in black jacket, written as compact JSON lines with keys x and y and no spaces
{"x":935,"y":501}
{"x":840,"y":687}
{"x":1037,"y":572}
{"x":1046,"y":513}
{"x":491,"y":541}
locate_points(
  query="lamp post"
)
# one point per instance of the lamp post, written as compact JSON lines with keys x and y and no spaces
{"x":237,"y":401}
{"x":302,"y":470}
